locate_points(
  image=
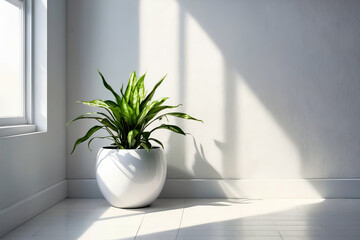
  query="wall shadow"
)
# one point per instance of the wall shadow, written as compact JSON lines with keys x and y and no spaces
{"x":201,"y":163}
{"x":301,"y":61}
{"x":200,"y":168}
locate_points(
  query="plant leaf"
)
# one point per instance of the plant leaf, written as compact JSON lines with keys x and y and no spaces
{"x":146,"y":145}
{"x":173,"y":128}
{"x":127,"y":112}
{"x":138,"y":95}
{"x":157,"y":141}
{"x":137,"y":91}
{"x":114,"y":109}
{"x":131,"y":137}
{"x":126,"y":118}
{"x":148,"y":108}
{"x":179,"y":115}
{"x":107,"y":86}
{"x":156,"y":110}
{"x":111,"y":107}
{"x":144,"y":112}
{"x":110,"y":103}
{"x":141,"y":87}
{"x":95,"y":103}
{"x":107,"y":137}
{"x":84,"y":116}
{"x":117,"y":114}
{"x":87,"y":136}
{"x":151,"y":94}
{"x":145,"y":135}
{"x":108,"y":124}
{"x":130,"y":86}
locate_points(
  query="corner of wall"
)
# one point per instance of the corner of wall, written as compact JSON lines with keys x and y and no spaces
{"x":19,"y":212}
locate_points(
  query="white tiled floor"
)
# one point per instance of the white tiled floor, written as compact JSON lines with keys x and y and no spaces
{"x":198,"y":219}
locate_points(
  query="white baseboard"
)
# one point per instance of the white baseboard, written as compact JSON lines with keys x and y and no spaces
{"x":20,"y":212}
{"x":237,"y":188}
{"x":83,"y":188}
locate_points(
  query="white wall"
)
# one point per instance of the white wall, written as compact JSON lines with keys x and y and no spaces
{"x":276,"y":82}
{"x":34,"y":162}
{"x":104,"y":35}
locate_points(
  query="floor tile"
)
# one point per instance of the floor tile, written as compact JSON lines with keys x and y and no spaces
{"x":197,"y":219}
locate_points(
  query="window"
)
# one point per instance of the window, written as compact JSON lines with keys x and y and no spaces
{"x":12,"y":63}
{"x":14,"y":95}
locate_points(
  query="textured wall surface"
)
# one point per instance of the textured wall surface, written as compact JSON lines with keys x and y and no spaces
{"x":35,"y":161}
{"x":277,"y":83}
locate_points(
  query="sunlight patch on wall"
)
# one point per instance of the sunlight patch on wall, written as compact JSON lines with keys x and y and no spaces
{"x":262,"y":141}
{"x":172,"y":42}
{"x":204,"y":98}
{"x":240,"y":137}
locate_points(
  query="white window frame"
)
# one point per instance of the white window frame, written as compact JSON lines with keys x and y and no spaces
{"x":24,"y":124}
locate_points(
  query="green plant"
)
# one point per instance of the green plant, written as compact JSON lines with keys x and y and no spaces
{"x":126,"y":119}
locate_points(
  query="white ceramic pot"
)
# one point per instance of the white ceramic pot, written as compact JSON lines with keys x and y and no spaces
{"x":130,"y":178}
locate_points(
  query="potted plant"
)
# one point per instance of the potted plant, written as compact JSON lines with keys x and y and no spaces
{"x":130,"y":172}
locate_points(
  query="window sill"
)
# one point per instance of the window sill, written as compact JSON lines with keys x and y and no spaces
{"x":7,"y":131}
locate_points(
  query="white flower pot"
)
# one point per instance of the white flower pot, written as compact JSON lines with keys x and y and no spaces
{"x":130,"y":178}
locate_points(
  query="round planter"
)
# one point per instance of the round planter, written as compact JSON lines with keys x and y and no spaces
{"x":130,"y":178}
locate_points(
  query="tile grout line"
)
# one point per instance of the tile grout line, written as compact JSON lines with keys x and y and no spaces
{"x":182,"y":214}
{"x":281,"y":235}
{"x":277,"y":228}
{"x":140,"y":226}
